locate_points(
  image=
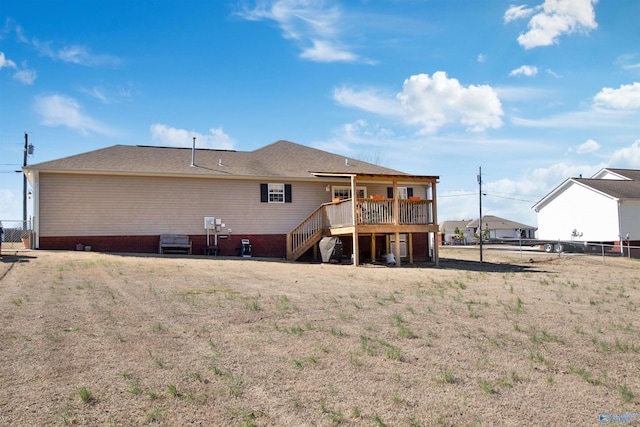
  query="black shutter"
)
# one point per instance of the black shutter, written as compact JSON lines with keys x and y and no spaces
{"x":389,"y":192}
{"x":287,"y":193}
{"x":409,"y":192}
{"x":264,"y":193}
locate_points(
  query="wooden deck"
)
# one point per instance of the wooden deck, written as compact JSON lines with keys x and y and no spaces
{"x":368,"y":216}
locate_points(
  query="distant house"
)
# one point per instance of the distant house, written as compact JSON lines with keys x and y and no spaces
{"x":283,"y":197}
{"x":500,"y":228}
{"x":448,"y":231}
{"x":603,"y":208}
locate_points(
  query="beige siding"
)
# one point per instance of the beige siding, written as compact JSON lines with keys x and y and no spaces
{"x":116,"y":205}
{"x":378,"y":189}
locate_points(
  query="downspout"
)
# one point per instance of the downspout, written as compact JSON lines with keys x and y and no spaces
{"x":620,"y":227}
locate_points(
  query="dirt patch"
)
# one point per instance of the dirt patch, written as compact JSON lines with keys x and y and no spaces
{"x":98,"y":339}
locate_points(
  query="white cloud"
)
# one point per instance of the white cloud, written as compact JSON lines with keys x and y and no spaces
{"x":525,"y":70}
{"x":553,"y":19}
{"x":326,"y":51}
{"x":315,"y":27}
{"x":552,"y":73}
{"x":433,"y":102}
{"x":6,"y":63}
{"x":625,"y":98}
{"x":594,"y":118}
{"x":589,"y":146}
{"x":183,"y":138}
{"x":26,"y":75}
{"x":482,"y":57}
{"x":369,"y":100}
{"x":59,"y":110}
{"x":517,"y":12}
{"x":628,"y":157}
{"x":75,"y":54}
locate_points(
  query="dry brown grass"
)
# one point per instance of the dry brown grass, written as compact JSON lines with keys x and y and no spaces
{"x":96,"y":339}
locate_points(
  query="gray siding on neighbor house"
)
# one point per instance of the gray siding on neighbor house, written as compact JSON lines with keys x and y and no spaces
{"x":111,"y":205}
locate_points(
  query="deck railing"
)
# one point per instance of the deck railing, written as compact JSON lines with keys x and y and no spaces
{"x":368,"y":212}
{"x":306,"y":233}
{"x":379,"y":212}
{"x":416,"y":212}
{"x":339,"y":214}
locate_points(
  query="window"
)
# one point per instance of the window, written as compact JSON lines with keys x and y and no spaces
{"x":275,"y":193}
{"x":344,"y":192}
{"x":402,"y":193}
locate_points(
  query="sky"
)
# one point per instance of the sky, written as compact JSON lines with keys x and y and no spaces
{"x":531,"y":92}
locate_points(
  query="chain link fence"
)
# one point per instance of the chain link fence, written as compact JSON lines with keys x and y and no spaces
{"x":17,"y":234}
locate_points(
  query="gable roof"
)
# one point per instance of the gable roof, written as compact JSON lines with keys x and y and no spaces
{"x":625,"y":188}
{"x":629,"y":174}
{"x":615,"y":188}
{"x":497,"y":223}
{"x":452,"y":225}
{"x":280,"y":159}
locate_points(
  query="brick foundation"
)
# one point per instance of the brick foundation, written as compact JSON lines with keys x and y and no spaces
{"x":271,"y":246}
{"x":262,"y":245}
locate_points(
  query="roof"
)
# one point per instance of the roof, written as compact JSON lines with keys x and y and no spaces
{"x":452,"y":225}
{"x":626,"y":188}
{"x":615,"y":188}
{"x":631,"y":174}
{"x":279,"y":159}
{"x":497,"y":223}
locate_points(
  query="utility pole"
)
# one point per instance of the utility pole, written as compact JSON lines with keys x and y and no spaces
{"x":480,"y":220}
{"x":28,"y":149}
{"x":24,"y":183}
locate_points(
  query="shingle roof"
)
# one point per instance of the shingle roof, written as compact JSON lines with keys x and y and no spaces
{"x":281,"y":159}
{"x":616,"y":188}
{"x":632,"y":174}
{"x":452,"y":225}
{"x":497,"y":223}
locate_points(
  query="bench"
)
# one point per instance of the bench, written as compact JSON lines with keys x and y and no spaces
{"x":174,"y":243}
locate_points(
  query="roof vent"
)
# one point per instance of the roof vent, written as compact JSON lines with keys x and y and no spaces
{"x":346,"y":162}
{"x":220,"y":162}
{"x":193,"y":153}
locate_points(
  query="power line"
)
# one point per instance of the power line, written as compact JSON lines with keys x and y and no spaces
{"x":510,"y":198}
{"x":491,"y":195}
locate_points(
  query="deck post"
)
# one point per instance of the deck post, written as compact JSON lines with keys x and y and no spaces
{"x":354,"y":199}
{"x":410,"y":247}
{"x":373,"y":247}
{"x":396,"y":222}
{"x":434,"y":212}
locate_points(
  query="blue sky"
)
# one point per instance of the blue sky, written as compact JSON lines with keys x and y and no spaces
{"x":533,"y":92}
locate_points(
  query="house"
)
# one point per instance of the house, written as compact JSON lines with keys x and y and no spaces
{"x":448,"y":231}
{"x":283,"y":198}
{"x":494,"y":227}
{"x":603,"y":208}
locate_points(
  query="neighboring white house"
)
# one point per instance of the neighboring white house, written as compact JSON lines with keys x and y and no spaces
{"x":500,"y":228}
{"x":604,"y":208}
{"x":448,"y":231}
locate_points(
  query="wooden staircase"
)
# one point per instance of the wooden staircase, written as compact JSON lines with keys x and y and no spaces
{"x":306,"y":234}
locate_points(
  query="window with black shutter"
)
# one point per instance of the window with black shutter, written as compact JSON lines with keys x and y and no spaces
{"x":275,"y":193}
